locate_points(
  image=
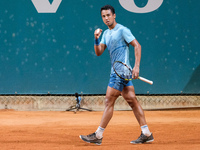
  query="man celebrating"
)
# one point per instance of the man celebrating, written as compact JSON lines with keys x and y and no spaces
{"x":117,"y":39}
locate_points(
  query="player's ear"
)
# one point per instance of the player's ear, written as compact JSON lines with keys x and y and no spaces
{"x":114,"y":15}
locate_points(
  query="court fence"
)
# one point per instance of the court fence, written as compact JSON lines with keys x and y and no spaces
{"x":94,"y":102}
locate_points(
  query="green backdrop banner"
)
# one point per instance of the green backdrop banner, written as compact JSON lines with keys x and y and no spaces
{"x":47,"y":45}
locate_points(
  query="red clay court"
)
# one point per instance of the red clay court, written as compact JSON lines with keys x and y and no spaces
{"x":57,"y":130}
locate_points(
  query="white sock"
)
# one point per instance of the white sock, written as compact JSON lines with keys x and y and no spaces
{"x":99,"y":132}
{"x":145,"y":130}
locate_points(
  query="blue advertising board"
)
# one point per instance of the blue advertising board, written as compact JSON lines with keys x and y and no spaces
{"x":47,"y":46}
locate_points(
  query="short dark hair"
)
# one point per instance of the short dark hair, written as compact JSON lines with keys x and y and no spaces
{"x":107,"y":7}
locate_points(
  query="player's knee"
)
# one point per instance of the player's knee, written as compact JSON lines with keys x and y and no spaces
{"x":131,"y":97}
{"x":132,"y":101}
{"x":108,"y":101}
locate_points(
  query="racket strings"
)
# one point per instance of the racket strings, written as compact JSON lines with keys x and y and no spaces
{"x":122,"y":70}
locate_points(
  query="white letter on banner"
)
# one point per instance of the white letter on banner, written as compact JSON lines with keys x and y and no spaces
{"x":44,"y":6}
{"x":150,"y":6}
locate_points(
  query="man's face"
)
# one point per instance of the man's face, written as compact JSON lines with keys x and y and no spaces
{"x":108,"y":17}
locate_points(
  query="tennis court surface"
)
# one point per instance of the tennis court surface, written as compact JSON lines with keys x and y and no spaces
{"x":56,"y":130}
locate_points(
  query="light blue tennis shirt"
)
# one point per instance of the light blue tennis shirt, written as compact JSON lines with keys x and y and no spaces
{"x":117,"y":41}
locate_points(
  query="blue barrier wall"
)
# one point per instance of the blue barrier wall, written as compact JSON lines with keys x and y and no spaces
{"x":53,"y":52}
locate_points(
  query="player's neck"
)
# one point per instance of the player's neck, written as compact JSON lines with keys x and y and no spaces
{"x":113,"y":25}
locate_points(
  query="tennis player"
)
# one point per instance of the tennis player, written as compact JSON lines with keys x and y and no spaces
{"x":117,"y":39}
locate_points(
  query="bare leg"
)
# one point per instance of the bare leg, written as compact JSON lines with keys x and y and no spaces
{"x":111,"y":96}
{"x":129,"y":95}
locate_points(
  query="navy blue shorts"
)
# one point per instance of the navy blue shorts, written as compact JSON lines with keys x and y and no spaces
{"x":118,"y":83}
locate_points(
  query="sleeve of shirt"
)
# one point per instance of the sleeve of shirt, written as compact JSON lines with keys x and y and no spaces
{"x":128,"y":36}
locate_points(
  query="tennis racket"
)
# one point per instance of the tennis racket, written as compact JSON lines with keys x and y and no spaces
{"x":124,"y":72}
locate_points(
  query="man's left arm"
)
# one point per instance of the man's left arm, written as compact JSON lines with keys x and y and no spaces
{"x":136,"y":68}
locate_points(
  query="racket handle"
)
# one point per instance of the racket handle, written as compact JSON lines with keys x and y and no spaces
{"x":145,"y":80}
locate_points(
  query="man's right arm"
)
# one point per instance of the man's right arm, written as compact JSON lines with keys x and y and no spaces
{"x":98,"y":47}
